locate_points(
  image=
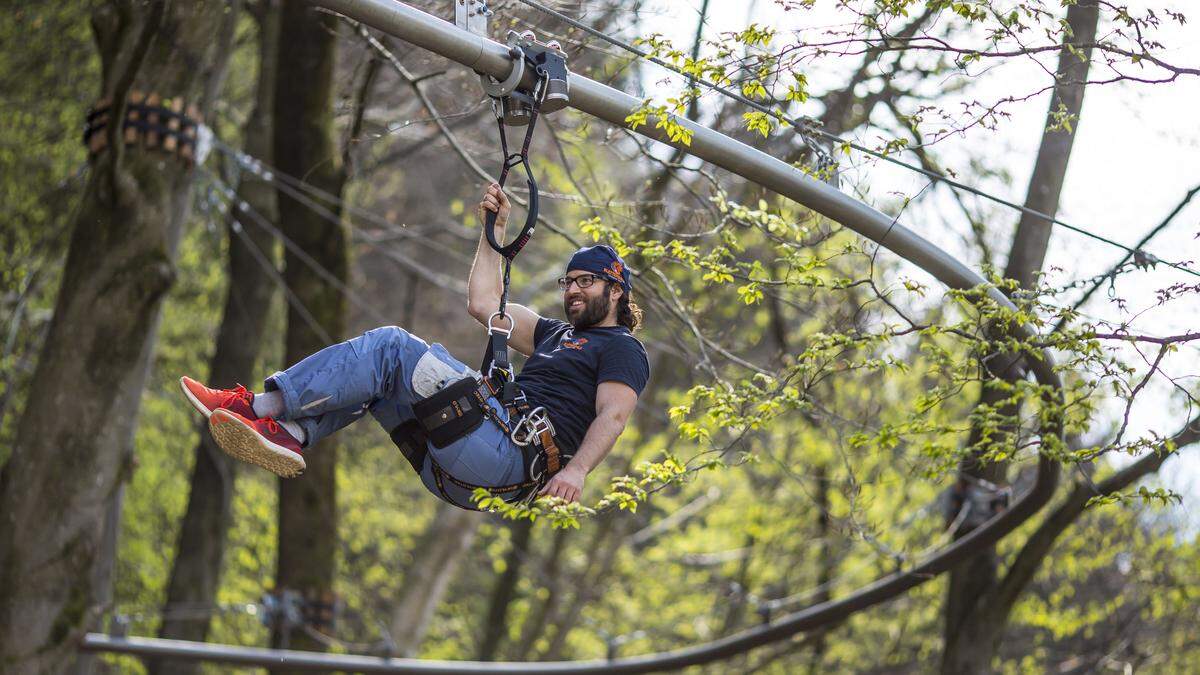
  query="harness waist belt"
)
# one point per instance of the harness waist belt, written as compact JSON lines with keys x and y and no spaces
{"x":459,"y":409}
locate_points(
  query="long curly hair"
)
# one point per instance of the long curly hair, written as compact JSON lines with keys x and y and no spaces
{"x":629,"y":314}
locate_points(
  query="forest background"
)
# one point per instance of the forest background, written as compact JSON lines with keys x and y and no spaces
{"x":821,"y":413}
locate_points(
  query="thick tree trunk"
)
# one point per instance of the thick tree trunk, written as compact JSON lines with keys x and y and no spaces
{"x":62,"y":476}
{"x":442,"y":546}
{"x":304,"y":146}
{"x":495,"y":624}
{"x":195,"y":574}
{"x":102,"y":573}
{"x":972,"y":628}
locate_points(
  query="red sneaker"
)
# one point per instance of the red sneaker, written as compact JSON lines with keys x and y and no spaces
{"x":261,"y":442}
{"x":206,"y":400}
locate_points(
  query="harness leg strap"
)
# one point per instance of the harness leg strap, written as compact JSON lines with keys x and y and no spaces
{"x":411,"y":439}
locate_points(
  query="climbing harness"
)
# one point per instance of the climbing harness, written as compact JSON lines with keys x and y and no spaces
{"x":459,"y":408}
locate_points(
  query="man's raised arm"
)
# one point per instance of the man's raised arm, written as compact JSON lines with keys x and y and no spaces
{"x":485,"y":283}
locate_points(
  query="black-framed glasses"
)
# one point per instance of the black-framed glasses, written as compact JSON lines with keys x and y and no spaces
{"x":582,"y":281}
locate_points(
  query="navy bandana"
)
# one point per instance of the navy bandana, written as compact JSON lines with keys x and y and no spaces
{"x":604,"y":261}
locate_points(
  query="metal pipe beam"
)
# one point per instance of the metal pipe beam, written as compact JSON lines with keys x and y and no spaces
{"x":606,"y":103}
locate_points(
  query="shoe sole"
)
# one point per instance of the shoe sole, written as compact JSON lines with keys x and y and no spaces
{"x":240,"y":441}
{"x":194,"y":401}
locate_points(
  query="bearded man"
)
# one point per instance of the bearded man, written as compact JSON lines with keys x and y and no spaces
{"x":559,"y":420}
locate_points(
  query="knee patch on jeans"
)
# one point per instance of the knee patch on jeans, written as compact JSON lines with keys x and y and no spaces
{"x":431,"y":374}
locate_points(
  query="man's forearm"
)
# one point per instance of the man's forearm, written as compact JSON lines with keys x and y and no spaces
{"x":601,"y":435}
{"x":485,"y":281}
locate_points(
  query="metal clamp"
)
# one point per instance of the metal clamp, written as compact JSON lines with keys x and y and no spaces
{"x":498,"y":89}
{"x":531,"y":426}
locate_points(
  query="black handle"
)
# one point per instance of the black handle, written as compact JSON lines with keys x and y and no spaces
{"x":489,"y":225}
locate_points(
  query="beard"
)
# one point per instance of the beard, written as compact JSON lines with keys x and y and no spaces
{"x":594,"y":311}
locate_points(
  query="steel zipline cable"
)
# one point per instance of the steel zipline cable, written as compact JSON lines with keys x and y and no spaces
{"x":808,"y":127}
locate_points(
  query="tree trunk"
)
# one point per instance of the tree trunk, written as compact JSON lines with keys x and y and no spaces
{"x":102,"y":573}
{"x":826,"y":560}
{"x":1050,"y":168}
{"x":972,"y":629}
{"x":535,"y":621}
{"x":195,"y":574}
{"x":607,"y":542}
{"x":304,"y":146}
{"x":62,"y":476}
{"x":442,"y":546}
{"x":495,"y":626}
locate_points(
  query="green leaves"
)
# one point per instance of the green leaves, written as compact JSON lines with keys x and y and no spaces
{"x":663,"y":119}
{"x":625,"y":493}
{"x":1152,"y":497}
{"x":759,"y":121}
{"x":755,"y":35}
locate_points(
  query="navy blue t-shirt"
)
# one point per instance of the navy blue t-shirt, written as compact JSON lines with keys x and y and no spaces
{"x":566,"y":367}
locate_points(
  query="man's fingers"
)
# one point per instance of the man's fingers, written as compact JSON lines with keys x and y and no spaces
{"x":556,"y":488}
{"x":496,"y":195}
{"x":561,"y":489}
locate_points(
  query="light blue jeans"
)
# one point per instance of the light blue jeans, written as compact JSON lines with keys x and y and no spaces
{"x":374,"y":373}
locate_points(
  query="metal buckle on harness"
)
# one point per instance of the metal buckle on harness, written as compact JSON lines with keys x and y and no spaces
{"x":531,"y":427}
{"x":493,"y":329}
{"x":505,"y":375}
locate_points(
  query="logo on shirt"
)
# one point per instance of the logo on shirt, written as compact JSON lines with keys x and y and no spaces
{"x":576,"y":344}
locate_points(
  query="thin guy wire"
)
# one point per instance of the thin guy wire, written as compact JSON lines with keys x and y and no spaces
{"x":274,"y":175}
{"x":365,"y":236}
{"x":804,"y":126}
{"x":300,"y":253}
{"x":232,"y":202}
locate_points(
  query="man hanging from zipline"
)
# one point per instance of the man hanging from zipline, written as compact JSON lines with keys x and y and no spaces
{"x":542,"y":433}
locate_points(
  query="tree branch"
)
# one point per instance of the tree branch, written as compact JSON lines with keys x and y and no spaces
{"x":1040,"y":543}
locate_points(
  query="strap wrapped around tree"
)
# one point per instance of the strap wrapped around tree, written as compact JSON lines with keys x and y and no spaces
{"x":154,"y":122}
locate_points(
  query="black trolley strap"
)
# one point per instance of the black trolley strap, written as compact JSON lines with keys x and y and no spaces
{"x":495,"y":358}
{"x":510,"y":250}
